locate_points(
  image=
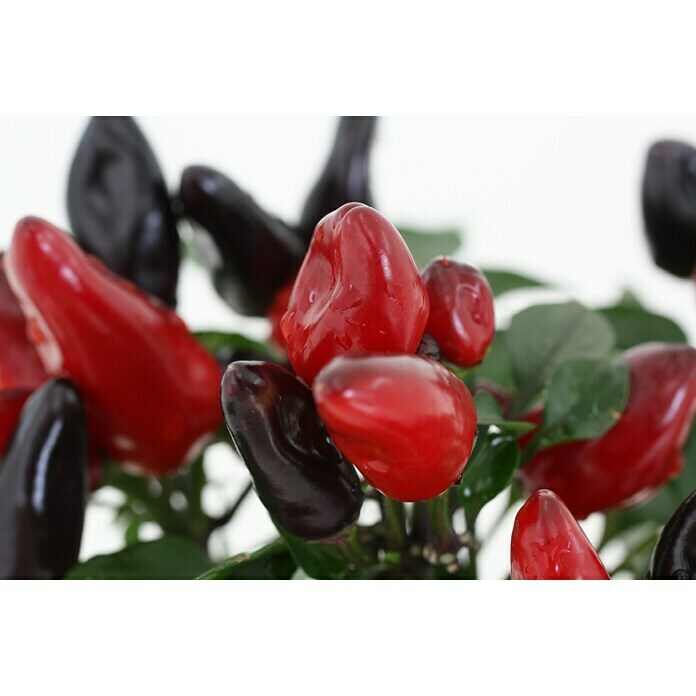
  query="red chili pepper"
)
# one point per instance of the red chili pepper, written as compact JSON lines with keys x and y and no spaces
{"x":406,"y":422}
{"x":20,"y":367}
{"x":358,"y":290}
{"x":549,"y":544}
{"x":640,"y":452}
{"x":462,"y":318}
{"x":151,"y":390}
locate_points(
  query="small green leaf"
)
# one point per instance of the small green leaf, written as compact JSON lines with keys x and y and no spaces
{"x":540,"y":338}
{"x":497,"y":365}
{"x":426,"y":245}
{"x":634,"y":325}
{"x":489,"y":413}
{"x":168,"y":558}
{"x":507,"y":281}
{"x":489,"y":471}
{"x":272,"y":562}
{"x":319,"y":561}
{"x":218,"y":342}
{"x":585,"y":398}
{"x":629,"y":299}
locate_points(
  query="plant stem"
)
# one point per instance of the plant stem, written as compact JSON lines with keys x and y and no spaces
{"x":221,"y":521}
{"x":394,"y":517}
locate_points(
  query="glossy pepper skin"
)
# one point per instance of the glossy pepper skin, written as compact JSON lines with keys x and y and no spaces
{"x":43,"y":486}
{"x":119,"y":207}
{"x":674,"y":556}
{"x":358,"y":290}
{"x":303,"y":480}
{"x":20,"y":367}
{"x":345,"y":178}
{"x":462,"y":318}
{"x":252,"y":254}
{"x":640,"y":452}
{"x":407,"y":423}
{"x":669,"y":206}
{"x":549,"y":544}
{"x":150,"y":389}
{"x":276,"y":312}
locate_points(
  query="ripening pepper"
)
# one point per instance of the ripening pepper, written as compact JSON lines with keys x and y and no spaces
{"x":43,"y":486}
{"x":20,"y":367}
{"x":462,"y":318}
{"x":549,"y":544}
{"x":149,"y":387}
{"x":119,"y":207}
{"x":674,"y":556}
{"x":358,"y":290}
{"x":406,"y":422}
{"x":641,"y":451}
{"x":305,"y":483}
{"x":252,"y":254}
{"x":669,"y":206}
{"x":345,"y":178}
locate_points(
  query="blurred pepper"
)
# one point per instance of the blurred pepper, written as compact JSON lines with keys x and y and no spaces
{"x":674,"y":557}
{"x":640,"y":452}
{"x":251,"y":254}
{"x":43,"y":486}
{"x":11,"y":404}
{"x":20,"y":367}
{"x":548,"y":544}
{"x":303,"y":480}
{"x":345,"y":178}
{"x":119,"y":208}
{"x":669,"y":206}
{"x":150,"y":389}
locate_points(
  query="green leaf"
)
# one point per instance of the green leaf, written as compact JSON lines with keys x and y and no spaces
{"x":218,"y":342}
{"x":489,"y":471}
{"x":426,"y":245}
{"x":272,"y":562}
{"x":489,"y":413}
{"x":585,"y":398}
{"x":634,"y":325}
{"x":507,"y":281}
{"x":318,"y":560}
{"x":540,"y":338}
{"x":168,"y":558}
{"x":497,"y":365}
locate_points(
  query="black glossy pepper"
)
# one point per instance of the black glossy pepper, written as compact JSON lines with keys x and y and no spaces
{"x":306,"y":484}
{"x":674,"y":557}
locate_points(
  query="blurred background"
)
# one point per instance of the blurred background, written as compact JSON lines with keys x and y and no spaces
{"x":556,"y":198}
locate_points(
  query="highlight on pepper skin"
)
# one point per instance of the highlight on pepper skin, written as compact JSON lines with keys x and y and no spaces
{"x":334,"y":395}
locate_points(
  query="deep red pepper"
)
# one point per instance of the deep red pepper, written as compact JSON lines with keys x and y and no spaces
{"x":640,"y":452}
{"x":462,"y":318}
{"x":20,"y":367}
{"x":549,"y":544}
{"x":150,"y":388}
{"x":358,"y":290}
{"x":406,"y":422}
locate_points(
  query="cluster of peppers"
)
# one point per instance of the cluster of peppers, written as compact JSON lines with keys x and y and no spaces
{"x":98,"y":365}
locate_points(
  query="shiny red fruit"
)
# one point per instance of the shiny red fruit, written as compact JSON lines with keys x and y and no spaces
{"x":151,"y":390}
{"x":548,"y":543}
{"x":407,"y":423}
{"x":20,"y":367}
{"x":358,"y":291}
{"x":462,"y":318}
{"x":640,"y":452}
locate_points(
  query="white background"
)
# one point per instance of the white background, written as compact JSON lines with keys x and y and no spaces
{"x":502,"y":57}
{"x":555,"y":197}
